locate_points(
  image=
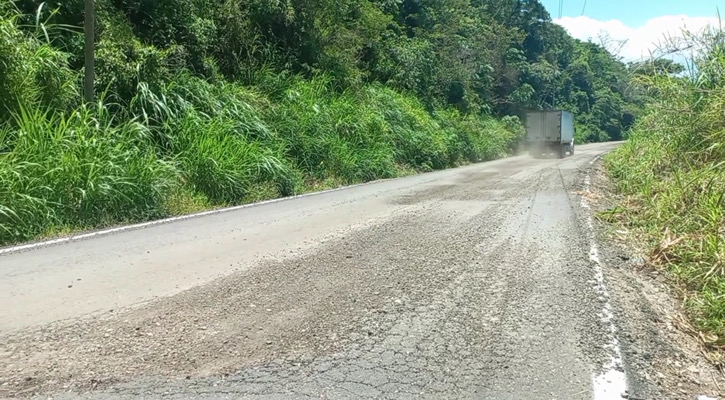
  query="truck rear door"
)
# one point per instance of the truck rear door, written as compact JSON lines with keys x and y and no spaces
{"x":544,"y":127}
{"x":552,"y":124}
{"x":535,"y":127}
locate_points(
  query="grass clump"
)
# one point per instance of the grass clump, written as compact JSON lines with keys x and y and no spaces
{"x":672,"y":168}
{"x":32,"y":70}
{"x":77,"y":170}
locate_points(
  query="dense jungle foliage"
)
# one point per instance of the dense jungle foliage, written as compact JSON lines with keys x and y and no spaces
{"x":204,"y":103}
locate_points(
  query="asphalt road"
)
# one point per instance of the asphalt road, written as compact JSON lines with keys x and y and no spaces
{"x":476,"y":282}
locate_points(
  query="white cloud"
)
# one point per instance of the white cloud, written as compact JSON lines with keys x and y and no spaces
{"x":635,"y":42}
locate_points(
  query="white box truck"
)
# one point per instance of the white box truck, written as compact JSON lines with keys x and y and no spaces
{"x":550,"y":131}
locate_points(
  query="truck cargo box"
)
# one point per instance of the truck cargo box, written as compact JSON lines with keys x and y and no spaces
{"x":550,"y":131}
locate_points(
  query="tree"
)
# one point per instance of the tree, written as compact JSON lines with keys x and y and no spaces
{"x":499,"y":56}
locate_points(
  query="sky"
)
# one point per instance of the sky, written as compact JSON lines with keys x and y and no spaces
{"x":635,"y":27}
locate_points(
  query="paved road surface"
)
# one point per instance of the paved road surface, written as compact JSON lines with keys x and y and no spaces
{"x":468,"y":283}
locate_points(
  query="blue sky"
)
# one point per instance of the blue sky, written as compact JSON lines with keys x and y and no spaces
{"x":635,"y":12}
{"x":634,"y":27}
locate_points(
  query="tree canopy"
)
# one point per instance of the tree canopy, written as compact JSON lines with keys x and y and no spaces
{"x":479,"y":56}
{"x":206,"y":103}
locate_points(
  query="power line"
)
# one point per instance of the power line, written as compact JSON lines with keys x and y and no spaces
{"x":585,"y":7}
{"x":561,"y":8}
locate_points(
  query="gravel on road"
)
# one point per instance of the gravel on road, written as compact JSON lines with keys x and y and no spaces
{"x":476,"y":282}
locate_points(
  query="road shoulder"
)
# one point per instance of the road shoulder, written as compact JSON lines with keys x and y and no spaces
{"x":663,"y":356}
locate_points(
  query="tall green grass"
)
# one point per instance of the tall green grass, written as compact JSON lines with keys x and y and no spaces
{"x":77,"y":170}
{"x":182,"y":144}
{"x":673,"y":170}
{"x":31,"y":70}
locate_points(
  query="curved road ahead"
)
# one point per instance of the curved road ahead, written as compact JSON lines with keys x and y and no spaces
{"x":476,"y":282}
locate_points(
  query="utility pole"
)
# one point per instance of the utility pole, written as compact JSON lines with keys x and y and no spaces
{"x":90,"y":32}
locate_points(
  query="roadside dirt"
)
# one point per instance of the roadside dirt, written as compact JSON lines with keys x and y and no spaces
{"x":664,"y":356}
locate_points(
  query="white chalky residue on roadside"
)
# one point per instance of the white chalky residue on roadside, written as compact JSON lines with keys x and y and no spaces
{"x":611,"y":383}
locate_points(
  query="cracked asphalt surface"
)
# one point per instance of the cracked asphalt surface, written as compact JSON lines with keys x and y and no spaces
{"x":466,"y":283}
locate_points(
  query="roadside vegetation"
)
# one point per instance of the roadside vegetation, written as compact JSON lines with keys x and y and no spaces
{"x":672,"y":170}
{"x":204,"y":104}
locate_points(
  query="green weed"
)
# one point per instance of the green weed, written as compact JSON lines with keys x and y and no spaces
{"x":77,"y":169}
{"x":673,"y":170}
